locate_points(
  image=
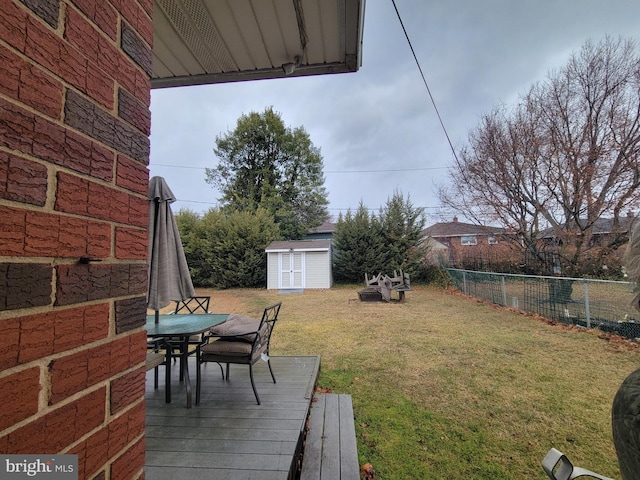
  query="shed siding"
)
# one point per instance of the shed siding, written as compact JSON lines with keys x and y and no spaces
{"x":273,"y":271}
{"x":318,"y":270}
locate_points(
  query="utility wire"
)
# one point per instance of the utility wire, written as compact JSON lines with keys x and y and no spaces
{"x":433,"y":102}
{"x":326,"y":171}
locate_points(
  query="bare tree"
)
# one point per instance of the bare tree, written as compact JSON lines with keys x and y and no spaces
{"x":563,"y":158}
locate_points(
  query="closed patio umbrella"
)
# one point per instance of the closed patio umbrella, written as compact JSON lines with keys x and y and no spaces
{"x":169,"y":277}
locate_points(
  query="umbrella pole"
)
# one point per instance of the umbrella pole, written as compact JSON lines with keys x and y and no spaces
{"x":157,"y":316}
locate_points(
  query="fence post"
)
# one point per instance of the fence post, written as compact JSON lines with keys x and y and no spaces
{"x":504,"y":292}
{"x":587,"y":313}
{"x":464,"y":283}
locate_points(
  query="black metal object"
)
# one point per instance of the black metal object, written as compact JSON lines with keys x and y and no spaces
{"x":233,"y":348}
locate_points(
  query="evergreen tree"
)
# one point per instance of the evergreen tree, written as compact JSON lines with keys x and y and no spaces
{"x":371,"y":244}
{"x":226,"y":249}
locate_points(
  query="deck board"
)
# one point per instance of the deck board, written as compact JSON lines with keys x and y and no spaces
{"x":228,"y":435}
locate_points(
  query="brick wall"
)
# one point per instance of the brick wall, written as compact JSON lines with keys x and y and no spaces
{"x":74,"y":150}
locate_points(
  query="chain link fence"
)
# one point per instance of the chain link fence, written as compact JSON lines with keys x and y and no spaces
{"x":602,"y":304}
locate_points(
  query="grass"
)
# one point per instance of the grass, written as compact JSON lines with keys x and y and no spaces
{"x":445,"y":386}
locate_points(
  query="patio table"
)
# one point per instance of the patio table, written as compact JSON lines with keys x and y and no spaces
{"x":182,"y":326}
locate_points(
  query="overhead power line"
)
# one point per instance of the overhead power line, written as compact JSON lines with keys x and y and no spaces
{"x":326,"y":171}
{"x":424,"y":80}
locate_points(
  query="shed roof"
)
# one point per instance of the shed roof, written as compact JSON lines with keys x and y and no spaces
{"x":299,"y":245}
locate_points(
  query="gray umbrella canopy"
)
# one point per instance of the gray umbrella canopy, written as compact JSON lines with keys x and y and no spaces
{"x":169,"y":277}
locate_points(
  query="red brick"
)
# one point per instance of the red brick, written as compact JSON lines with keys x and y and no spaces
{"x":16,"y":127}
{"x":37,"y":336}
{"x":86,"y":156}
{"x":107,"y":19}
{"x":33,"y":233}
{"x":9,"y":348}
{"x":130,"y":463}
{"x":53,"y":143}
{"x":41,"y":91}
{"x":108,"y":442}
{"x":12,"y":231}
{"x":82,"y":197}
{"x":12,"y":65}
{"x":59,"y":428}
{"x":40,"y":229}
{"x":99,"y":87}
{"x":131,"y":244}
{"x":72,"y":195}
{"x":138,"y":212}
{"x":132,"y":175}
{"x":79,"y":326}
{"x":73,"y":67}
{"x":102,"y":161}
{"x":86,"y":38}
{"x":136,"y":419}
{"x":42,"y":45}
{"x":127,"y":389}
{"x":81,"y":34}
{"x":70,"y":375}
{"x":22,"y":180}
{"x":99,"y":240}
{"x":92,"y":453}
{"x":13,"y":25}
{"x":49,"y":142}
{"x":19,"y":394}
{"x":75,"y":372}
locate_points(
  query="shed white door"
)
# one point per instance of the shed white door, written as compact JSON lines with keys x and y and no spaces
{"x":291,"y":270}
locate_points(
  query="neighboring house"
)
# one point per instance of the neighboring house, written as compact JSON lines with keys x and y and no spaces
{"x":74,"y":154}
{"x":459,"y":244}
{"x":603,"y":231}
{"x":296,"y":265}
{"x":321,"y":232}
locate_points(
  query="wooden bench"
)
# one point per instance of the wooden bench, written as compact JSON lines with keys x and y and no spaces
{"x":330,"y":451}
{"x":154,"y":360}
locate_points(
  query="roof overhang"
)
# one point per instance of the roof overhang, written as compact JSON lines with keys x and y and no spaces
{"x":198,"y":42}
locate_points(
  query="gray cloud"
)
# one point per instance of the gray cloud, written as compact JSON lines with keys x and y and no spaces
{"x":475,"y":55}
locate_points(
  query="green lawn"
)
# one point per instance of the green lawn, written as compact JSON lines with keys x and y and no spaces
{"x":447,"y":387}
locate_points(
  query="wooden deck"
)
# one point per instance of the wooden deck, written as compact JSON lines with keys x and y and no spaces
{"x":229,"y":436}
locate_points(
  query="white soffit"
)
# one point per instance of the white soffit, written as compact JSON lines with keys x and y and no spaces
{"x":199,"y":42}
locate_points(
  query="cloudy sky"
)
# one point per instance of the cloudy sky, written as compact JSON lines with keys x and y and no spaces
{"x":377,"y":128}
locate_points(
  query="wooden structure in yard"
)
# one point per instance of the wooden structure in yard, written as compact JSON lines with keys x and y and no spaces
{"x":228,"y":435}
{"x":330,"y":451}
{"x":381,"y":287}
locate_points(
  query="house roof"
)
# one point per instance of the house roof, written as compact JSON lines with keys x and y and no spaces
{"x":199,"y":42}
{"x":459,"y":229}
{"x":299,"y":245}
{"x":601,"y":226}
{"x":326,"y":227}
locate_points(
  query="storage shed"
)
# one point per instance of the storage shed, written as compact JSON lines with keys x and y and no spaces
{"x":296,"y":265}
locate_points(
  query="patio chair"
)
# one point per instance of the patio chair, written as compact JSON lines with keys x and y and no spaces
{"x":154,"y":357}
{"x":242,"y":340}
{"x":558,"y":467}
{"x":192,"y":305}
